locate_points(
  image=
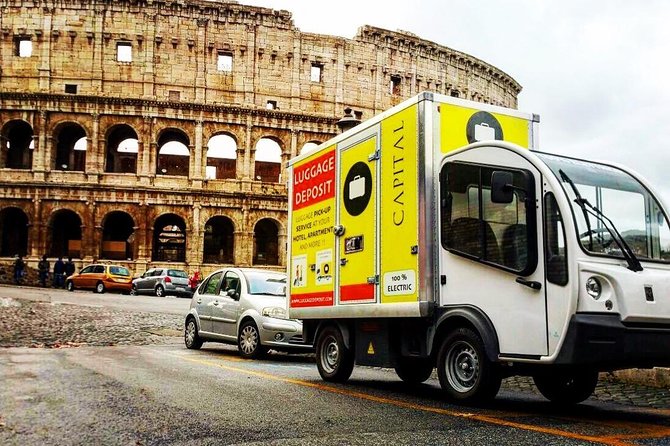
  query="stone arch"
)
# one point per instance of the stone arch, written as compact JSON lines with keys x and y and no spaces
{"x":169,"y":239}
{"x":17,"y":144}
{"x":70,"y":140}
{"x":219,"y":240}
{"x":221,"y":157}
{"x":173,"y":152}
{"x":309,"y":146}
{"x":266,"y":242}
{"x":13,"y":232}
{"x":121,"y":149}
{"x":64,"y":234}
{"x":118,"y":236}
{"x":268,"y":159}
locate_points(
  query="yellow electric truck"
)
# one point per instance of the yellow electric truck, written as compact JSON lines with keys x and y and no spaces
{"x":436,"y":235}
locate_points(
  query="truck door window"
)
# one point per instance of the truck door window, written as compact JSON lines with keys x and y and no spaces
{"x":474,"y":226}
{"x":556,"y":257}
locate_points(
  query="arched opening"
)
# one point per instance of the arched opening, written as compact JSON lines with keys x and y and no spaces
{"x":169,"y":239}
{"x":173,"y":153}
{"x":309,"y":146}
{"x":121,"y":148}
{"x":64,"y":234}
{"x":13,"y":232}
{"x":221,"y":157}
{"x":17,"y":145}
{"x":266,"y":242}
{"x":118,"y":236}
{"x":219,"y":240}
{"x":267,"y":166}
{"x":71,"y":148}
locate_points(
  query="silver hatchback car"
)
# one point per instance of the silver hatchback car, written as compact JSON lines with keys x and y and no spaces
{"x":163,"y":282}
{"x":246,"y":307}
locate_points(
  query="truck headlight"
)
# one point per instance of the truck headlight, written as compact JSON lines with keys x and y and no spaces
{"x":276,"y":312}
{"x":593,"y":287}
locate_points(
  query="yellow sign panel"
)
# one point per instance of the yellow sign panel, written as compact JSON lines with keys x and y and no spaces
{"x":358,"y":213}
{"x":460,"y":126}
{"x":399,"y":207}
{"x":312,"y":268}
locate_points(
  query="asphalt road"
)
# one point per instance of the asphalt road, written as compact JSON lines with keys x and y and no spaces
{"x":166,"y":394}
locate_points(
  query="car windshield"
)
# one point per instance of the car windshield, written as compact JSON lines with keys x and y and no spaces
{"x":119,"y":271}
{"x":261,"y":282}
{"x":633,"y":210}
{"x":177,"y":273}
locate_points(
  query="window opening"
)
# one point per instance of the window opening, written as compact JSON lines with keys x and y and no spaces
{"x":316,"y":73}
{"x":24,"y":47}
{"x":556,"y":256}
{"x":221,"y":158}
{"x":124,"y":52}
{"x":70,"y":88}
{"x":267,"y":165}
{"x":224,"y":62}
{"x":395,"y":85}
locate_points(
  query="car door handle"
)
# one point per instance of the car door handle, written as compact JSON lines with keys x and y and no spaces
{"x":199,"y":301}
{"x":216,"y":303}
{"x":529,"y":283}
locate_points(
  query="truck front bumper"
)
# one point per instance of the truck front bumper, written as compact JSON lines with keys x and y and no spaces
{"x":603,"y":342}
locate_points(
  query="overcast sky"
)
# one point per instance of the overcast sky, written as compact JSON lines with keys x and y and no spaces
{"x":597,"y":72}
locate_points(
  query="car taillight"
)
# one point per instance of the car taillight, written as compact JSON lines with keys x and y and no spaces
{"x":168,"y":280}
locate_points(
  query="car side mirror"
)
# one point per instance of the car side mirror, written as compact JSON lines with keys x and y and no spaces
{"x":502,"y":190}
{"x":232,"y":293}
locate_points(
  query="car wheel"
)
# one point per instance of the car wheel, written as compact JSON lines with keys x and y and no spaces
{"x":249,"y":341}
{"x":567,"y":387}
{"x":133,"y":290}
{"x":160,"y":292}
{"x":99,"y":287}
{"x":333,"y":359}
{"x":465,"y":372}
{"x":192,"y":339}
{"x":69,"y":285}
{"x":414,"y":371}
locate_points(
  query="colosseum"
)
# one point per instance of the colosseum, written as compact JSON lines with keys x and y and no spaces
{"x":156,"y":131}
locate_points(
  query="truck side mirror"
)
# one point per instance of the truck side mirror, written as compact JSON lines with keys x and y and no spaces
{"x":502,"y":190}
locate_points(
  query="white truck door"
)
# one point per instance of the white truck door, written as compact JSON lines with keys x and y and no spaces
{"x":357,"y":215}
{"x":491,"y":254}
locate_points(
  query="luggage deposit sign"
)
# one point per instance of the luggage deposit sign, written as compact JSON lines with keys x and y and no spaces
{"x":312,"y":239}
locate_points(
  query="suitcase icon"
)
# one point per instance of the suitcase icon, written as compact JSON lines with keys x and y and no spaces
{"x":483,"y":132}
{"x":357,"y":187}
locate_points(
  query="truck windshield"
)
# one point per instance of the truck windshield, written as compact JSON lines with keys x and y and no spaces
{"x":633,"y":210}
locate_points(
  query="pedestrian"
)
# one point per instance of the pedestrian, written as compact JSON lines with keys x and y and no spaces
{"x":69,"y":267}
{"x":59,"y":271}
{"x":19,"y":270}
{"x":194,"y":280}
{"x":43,"y":268}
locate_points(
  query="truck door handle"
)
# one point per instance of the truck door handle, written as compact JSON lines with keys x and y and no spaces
{"x":529,"y":283}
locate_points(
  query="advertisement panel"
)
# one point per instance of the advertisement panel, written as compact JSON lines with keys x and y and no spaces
{"x":311,"y":268}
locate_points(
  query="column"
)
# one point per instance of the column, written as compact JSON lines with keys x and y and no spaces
{"x":195,"y":247}
{"x":93,"y":165}
{"x":196,"y":169}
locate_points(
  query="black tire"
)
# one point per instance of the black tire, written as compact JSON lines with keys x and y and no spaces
{"x":414,"y":371}
{"x":249,"y":341}
{"x":333,"y":359}
{"x":99,"y":287}
{"x":465,"y":372}
{"x":566,"y":387}
{"x":192,"y":339}
{"x":69,"y":285}
{"x":133,"y":290}
{"x":160,"y":291}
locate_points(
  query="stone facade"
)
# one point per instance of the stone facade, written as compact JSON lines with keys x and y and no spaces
{"x":79,"y":79}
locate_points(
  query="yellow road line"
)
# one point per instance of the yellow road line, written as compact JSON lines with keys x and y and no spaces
{"x":608,"y":440}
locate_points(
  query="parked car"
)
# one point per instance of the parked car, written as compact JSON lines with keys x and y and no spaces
{"x":163,"y":282}
{"x":101,"y":277}
{"x":246,"y":307}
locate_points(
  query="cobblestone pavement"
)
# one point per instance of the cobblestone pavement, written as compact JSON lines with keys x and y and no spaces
{"x":44,"y":325}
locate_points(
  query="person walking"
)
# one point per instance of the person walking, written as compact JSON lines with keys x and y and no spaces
{"x":69,"y":267}
{"x":43,"y":268}
{"x":59,"y":272}
{"x":19,"y":270}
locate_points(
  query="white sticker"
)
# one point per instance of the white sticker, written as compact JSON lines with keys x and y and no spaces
{"x":324,"y":267}
{"x":398,"y":283}
{"x":299,"y":264}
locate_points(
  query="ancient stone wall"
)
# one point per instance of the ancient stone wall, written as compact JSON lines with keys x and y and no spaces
{"x":92,"y":73}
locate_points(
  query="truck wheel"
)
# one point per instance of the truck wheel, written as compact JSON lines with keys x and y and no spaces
{"x":566,"y":387}
{"x":414,"y":371}
{"x":333,"y":359}
{"x":465,"y":373}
